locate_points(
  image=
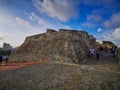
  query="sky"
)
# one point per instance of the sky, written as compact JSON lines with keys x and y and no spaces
{"x":22,"y":18}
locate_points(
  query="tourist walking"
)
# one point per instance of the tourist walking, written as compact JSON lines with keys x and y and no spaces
{"x":92,"y":51}
{"x":113,"y":51}
{"x":101,"y":50}
{"x":97,"y":53}
{"x":106,"y":51}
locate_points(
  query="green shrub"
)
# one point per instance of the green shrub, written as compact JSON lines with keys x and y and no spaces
{"x":7,"y":52}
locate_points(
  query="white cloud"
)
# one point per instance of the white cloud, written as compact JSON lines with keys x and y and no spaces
{"x":88,"y":24}
{"x":46,"y":23}
{"x":93,"y":19}
{"x":1,"y":35}
{"x":21,"y":21}
{"x":13,"y":30}
{"x":113,"y":36}
{"x":37,"y":19}
{"x":60,"y":9}
{"x":116,"y":33}
{"x":99,"y":30}
{"x":33,"y":16}
{"x":113,"y":28}
{"x":41,"y":22}
{"x":114,"y":21}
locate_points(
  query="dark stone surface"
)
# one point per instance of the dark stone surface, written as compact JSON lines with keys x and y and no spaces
{"x":62,"y":77}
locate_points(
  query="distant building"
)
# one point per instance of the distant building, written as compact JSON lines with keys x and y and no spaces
{"x":7,"y":46}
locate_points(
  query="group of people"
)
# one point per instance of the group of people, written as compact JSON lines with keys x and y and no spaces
{"x":93,"y":51}
{"x":3,"y":58}
{"x":102,"y":50}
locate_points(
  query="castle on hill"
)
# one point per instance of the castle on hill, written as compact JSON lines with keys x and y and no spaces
{"x":55,"y":46}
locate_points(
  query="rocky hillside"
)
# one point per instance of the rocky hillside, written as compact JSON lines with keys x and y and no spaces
{"x":61,"y":46}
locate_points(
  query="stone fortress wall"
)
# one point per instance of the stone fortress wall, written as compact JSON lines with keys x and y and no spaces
{"x":55,"y":46}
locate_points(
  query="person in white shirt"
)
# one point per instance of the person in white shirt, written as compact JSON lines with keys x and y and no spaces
{"x":92,"y":51}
